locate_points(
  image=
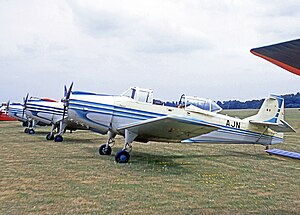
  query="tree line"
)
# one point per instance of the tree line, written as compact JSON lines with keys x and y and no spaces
{"x":290,"y":101}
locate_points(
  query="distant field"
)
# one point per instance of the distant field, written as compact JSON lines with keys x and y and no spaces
{"x":41,"y":177}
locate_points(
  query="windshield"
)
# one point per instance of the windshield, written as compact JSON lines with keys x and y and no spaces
{"x":204,"y":104}
{"x":139,"y":94}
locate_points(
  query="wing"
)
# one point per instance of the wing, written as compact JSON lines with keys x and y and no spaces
{"x":168,"y":129}
{"x":286,"y":55}
{"x":278,"y":127}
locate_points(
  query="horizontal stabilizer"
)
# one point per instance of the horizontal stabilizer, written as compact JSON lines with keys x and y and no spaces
{"x":283,"y":153}
{"x":283,"y":126}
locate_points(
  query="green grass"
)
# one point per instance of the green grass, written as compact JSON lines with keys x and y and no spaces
{"x":41,"y":177}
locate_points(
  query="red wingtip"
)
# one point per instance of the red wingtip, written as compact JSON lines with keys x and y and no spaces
{"x":278,"y":63}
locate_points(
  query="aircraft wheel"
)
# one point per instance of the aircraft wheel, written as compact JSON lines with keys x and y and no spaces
{"x":49,"y":137}
{"x":26,"y":130}
{"x":103,"y":150}
{"x":122,"y":157}
{"x":58,"y":138}
{"x":31,"y":131}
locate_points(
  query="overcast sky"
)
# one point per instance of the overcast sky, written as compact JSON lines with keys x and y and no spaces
{"x":198,"y":47}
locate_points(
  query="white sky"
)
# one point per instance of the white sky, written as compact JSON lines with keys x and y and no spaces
{"x":197,"y":47}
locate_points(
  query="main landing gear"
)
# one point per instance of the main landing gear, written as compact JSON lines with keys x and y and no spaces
{"x":30,"y":127}
{"x":62,"y":127}
{"x":50,"y":136}
{"x":29,"y":131}
{"x":123,"y":155}
{"x":58,"y":137}
{"x":105,"y":149}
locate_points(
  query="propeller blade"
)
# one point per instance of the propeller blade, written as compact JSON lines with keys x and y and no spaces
{"x":7,"y":105}
{"x":69,"y":91}
{"x":66,"y":100}
{"x":25,"y":100}
{"x":65,"y":91}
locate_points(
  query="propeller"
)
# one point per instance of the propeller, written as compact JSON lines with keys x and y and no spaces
{"x":7,"y":105}
{"x":25,"y":100}
{"x":66,"y":98}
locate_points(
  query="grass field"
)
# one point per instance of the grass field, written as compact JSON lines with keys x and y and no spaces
{"x":41,"y":177}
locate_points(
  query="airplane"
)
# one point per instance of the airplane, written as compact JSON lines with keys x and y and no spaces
{"x":50,"y":112}
{"x":137,"y":116}
{"x":4,"y":114}
{"x":15,"y":110}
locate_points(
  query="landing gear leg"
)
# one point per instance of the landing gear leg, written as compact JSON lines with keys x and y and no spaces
{"x":267,"y":148}
{"x":30,"y":128}
{"x":58,"y":137}
{"x":105,"y":149}
{"x":50,"y":136}
{"x":123,"y":156}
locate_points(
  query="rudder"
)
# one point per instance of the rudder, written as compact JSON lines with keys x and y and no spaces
{"x":271,"y":111}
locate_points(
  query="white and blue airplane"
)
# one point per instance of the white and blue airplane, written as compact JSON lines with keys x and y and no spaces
{"x":50,"y":112}
{"x":15,"y":110}
{"x":137,"y":116}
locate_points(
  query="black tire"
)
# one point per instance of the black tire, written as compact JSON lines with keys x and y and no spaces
{"x":49,"y":137}
{"x":122,"y":157}
{"x":58,"y":138}
{"x":26,"y":130}
{"x":31,"y":131}
{"x":103,"y":150}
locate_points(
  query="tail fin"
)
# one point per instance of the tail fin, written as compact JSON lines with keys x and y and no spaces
{"x":271,"y":110}
{"x":271,"y":114}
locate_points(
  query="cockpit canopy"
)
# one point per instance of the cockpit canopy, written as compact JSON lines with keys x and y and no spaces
{"x":188,"y":102}
{"x":194,"y":102}
{"x":139,"y":94}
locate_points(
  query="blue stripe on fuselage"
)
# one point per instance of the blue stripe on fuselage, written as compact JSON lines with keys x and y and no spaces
{"x":44,"y":109}
{"x":130,"y":113}
{"x":113,"y":110}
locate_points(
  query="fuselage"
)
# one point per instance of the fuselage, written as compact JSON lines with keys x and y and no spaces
{"x":45,"y":111}
{"x":103,"y":113}
{"x":15,"y":110}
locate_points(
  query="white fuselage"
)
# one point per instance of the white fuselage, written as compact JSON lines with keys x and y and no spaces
{"x":16,"y":111}
{"x":47,"y":112}
{"x":103,"y":113}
